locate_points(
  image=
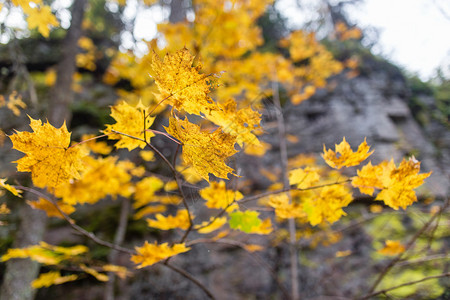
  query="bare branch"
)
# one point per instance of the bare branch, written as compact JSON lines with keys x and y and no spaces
{"x":293,"y":255}
{"x":191,"y":278}
{"x":74,"y":225}
{"x":405,"y":284}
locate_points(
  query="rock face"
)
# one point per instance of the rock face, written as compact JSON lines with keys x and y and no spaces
{"x":374,"y":106}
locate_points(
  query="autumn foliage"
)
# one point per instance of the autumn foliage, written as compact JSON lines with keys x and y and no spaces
{"x":208,"y":118}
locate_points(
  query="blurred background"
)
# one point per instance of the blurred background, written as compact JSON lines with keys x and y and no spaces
{"x":373,"y":69}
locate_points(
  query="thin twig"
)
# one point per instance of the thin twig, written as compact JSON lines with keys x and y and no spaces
{"x":221,"y":213}
{"x":293,"y":256}
{"x":164,"y":134}
{"x":72,"y":223}
{"x":191,"y":278}
{"x":145,"y":130}
{"x":405,"y":284}
{"x":283,"y":190}
{"x":90,"y":139}
{"x":175,"y":156}
{"x":180,"y":189}
{"x":175,"y":174}
{"x":423,"y":259}
{"x":128,"y":135}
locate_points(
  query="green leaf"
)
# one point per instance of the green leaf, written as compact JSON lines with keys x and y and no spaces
{"x":244,"y":221}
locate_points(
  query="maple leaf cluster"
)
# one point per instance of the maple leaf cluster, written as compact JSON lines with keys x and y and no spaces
{"x":315,"y":196}
{"x":397,"y":184}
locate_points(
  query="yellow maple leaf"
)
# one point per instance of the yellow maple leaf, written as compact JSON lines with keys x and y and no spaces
{"x":370,"y":177}
{"x":47,"y":154}
{"x":15,"y":103}
{"x":399,"y":187}
{"x":168,"y":199}
{"x":93,"y":272}
{"x":120,"y":271}
{"x":343,"y":156}
{"x":41,"y":17}
{"x":100,"y":147}
{"x":302,"y":45}
{"x":284,"y":209}
{"x":180,"y":82}
{"x":130,"y":121}
{"x":101,"y":177}
{"x":145,"y":191}
{"x":375,"y":208}
{"x":265,"y":227}
{"x":50,"y":209}
{"x":4,"y":210}
{"x":67,"y":251}
{"x":171,"y":186}
{"x":149,"y":210}
{"x":10,"y":188}
{"x":326,"y":206}
{"x":343,"y":253}
{"x":397,"y":184}
{"x":257,"y":150}
{"x":211,"y":225}
{"x":253,"y":247}
{"x":205,"y":151}
{"x":50,"y":77}
{"x":189,"y":173}
{"x":180,"y":220}
{"x":392,"y":248}
{"x":147,"y":155}
{"x":45,"y":253}
{"x":239,"y":123}
{"x":51,"y":278}
{"x":150,"y":254}
{"x":217,"y":195}
{"x":304,"y":178}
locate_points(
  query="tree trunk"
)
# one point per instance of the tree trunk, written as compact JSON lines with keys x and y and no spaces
{"x":62,"y":95}
{"x":21,"y":272}
{"x":177,"y":11}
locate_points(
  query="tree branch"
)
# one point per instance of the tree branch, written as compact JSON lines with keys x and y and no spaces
{"x":283,"y":190}
{"x":405,"y":284}
{"x":191,"y":278}
{"x":72,"y":223}
{"x":293,"y":256}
